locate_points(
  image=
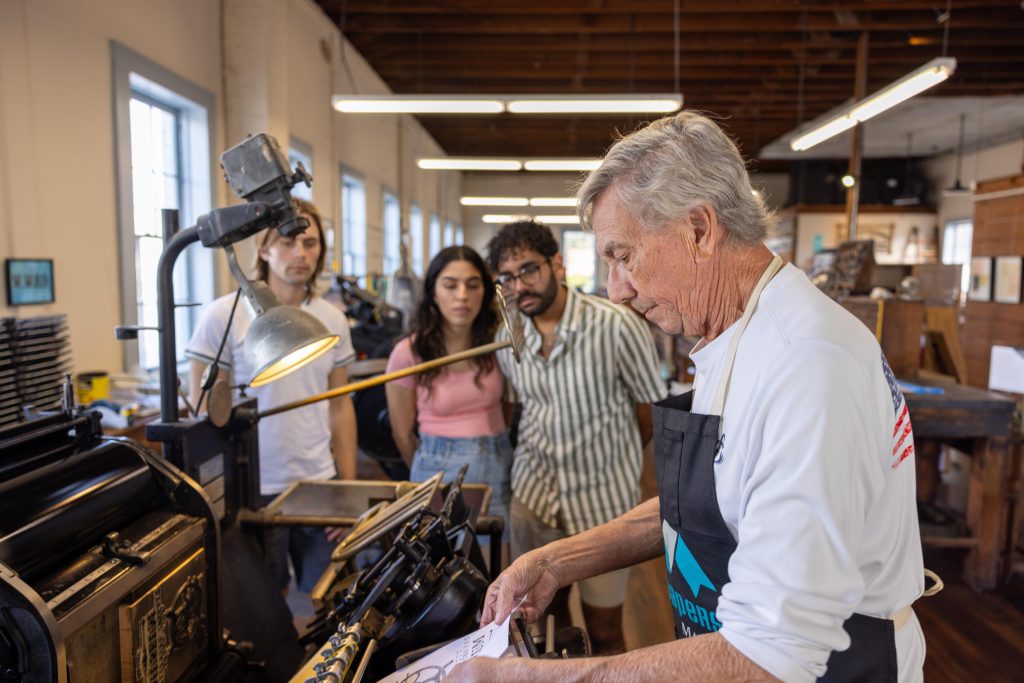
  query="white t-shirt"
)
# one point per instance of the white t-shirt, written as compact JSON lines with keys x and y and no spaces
{"x":815,"y":480}
{"x":295,"y":445}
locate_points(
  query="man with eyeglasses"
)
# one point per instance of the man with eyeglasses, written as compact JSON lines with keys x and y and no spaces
{"x":585,"y":384}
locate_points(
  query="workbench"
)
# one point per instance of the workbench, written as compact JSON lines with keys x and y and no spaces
{"x":979,"y":423}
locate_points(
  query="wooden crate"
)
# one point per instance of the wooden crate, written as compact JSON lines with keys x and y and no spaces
{"x":897,"y":325}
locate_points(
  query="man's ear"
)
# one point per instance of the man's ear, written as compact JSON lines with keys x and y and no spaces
{"x":707,"y":233}
{"x":558,"y":266}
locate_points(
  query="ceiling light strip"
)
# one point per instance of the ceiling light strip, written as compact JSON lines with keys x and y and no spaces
{"x":415,"y":104}
{"x":561,"y":164}
{"x":504,"y":164}
{"x":562,"y":219}
{"x":502,"y":218}
{"x":519,"y":201}
{"x":552,"y":201}
{"x":494,"y":201}
{"x":659,"y":103}
{"x":594,"y":104}
{"x":914,"y":83}
{"x":469,"y":164}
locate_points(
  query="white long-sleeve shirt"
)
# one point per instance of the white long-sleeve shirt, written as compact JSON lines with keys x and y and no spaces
{"x":815,"y":480}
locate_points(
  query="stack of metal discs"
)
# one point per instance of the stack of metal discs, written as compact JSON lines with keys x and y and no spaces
{"x":10,"y":403}
{"x":35,"y":353}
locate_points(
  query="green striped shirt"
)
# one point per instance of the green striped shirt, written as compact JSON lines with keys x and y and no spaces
{"x":578,"y":459}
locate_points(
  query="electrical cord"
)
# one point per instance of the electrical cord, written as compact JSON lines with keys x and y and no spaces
{"x":214,"y":369}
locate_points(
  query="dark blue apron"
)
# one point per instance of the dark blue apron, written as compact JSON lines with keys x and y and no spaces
{"x":698,"y":543}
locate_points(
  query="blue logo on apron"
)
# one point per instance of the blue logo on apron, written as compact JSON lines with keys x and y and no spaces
{"x":684,"y":560}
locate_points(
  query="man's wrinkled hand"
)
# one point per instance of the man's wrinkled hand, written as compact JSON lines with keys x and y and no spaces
{"x":531,"y":580}
{"x":478,"y":670}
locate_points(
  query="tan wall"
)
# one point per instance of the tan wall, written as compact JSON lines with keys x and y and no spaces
{"x":900,"y":227}
{"x":57,"y":172}
{"x":57,"y":175}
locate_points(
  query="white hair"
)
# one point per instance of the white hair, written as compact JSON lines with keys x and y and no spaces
{"x":672,"y":165}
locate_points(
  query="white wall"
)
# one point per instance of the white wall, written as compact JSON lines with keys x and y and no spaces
{"x":899,"y":226}
{"x":997,"y":161}
{"x":57,"y":172}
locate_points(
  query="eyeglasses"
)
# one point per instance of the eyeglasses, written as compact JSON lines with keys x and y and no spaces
{"x":528,"y":275}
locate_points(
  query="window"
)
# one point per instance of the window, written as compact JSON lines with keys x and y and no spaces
{"x":416,"y":233}
{"x":299,"y":151}
{"x":956,"y":248}
{"x":353,"y":225}
{"x":459,"y":236}
{"x":580,"y":259}
{"x":163,"y":139}
{"x":435,"y":235}
{"x":392,"y":233}
{"x":449,"y":234}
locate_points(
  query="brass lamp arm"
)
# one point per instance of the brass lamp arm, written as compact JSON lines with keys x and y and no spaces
{"x":383,"y":379}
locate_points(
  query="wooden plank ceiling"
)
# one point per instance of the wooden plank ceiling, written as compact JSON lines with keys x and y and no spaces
{"x":763,"y":66}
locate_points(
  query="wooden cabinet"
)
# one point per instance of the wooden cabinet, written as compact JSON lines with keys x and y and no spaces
{"x":998,"y":231}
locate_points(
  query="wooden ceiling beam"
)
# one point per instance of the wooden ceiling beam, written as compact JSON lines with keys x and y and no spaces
{"x":576,"y":79}
{"x":791,"y":39}
{"x":689,"y":85}
{"x":539,"y":61}
{"x":650,"y":24}
{"x":740,"y":60}
{"x":689,"y":8}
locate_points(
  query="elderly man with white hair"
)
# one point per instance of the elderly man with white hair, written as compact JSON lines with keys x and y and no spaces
{"x":786,"y":510}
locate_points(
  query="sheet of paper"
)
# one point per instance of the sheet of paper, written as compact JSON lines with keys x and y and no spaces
{"x":489,"y":641}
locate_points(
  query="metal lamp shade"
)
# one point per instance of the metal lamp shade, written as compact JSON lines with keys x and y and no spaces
{"x":283,"y":339}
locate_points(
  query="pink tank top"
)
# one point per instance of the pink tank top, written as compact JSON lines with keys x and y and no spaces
{"x":458,"y":406}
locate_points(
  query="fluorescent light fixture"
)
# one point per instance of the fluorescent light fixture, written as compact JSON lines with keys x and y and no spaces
{"x":469,"y":164}
{"x":561,"y":164}
{"x":822,"y":133}
{"x":494,"y":201}
{"x":563,"y":219}
{"x":502,"y":218}
{"x":498,"y":164}
{"x":931,"y":74}
{"x":917,"y":81}
{"x":659,"y":103}
{"x":552,"y":201}
{"x":594,"y":104}
{"x":417,"y":104}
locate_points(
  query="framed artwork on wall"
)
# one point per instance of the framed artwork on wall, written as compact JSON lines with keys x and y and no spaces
{"x":29,"y":281}
{"x":1008,"y":279}
{"x":881,"y":233}
{"x":981,"y":279}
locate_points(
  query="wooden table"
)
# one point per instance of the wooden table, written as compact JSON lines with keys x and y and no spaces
{"x":979,"y":423}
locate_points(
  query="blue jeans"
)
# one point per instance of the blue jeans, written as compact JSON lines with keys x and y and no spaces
{"x":306,"y":546}
{"x":489,"y":459}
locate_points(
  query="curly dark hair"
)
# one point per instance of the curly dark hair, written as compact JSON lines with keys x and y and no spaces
{"x":521,"y":235}
{"x":427,"y":326}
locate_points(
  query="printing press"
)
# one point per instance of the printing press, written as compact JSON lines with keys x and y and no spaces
{"x":120,"y":564}
{"x":111,"y":569}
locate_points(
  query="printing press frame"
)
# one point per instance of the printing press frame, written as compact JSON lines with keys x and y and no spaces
{"x":108,"y":561}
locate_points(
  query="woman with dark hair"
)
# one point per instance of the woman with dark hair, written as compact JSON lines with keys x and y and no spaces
{"x":457,"y":409}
